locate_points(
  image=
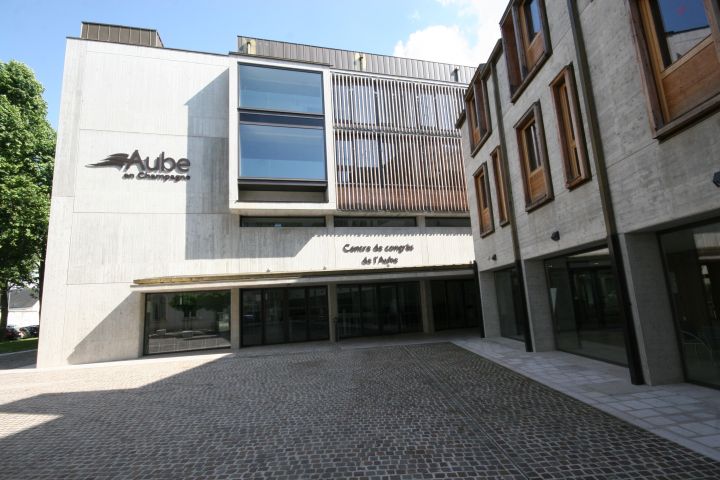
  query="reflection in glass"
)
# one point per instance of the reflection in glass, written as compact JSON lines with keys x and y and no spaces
{"x":267,"y":88}
{"x":533,"y":156}
{"x":584,"y":305}
{"x":684,"y":25}
{"x":251,"y":317}
{"x":274,"y":316}
{"x":532,"y":13}
{"x":378,"y":309}
{"x":269,"y":151}
{"x":177,"y":322}
{"x":317,"y":313}
{"x":692,"y":260}
{"x":455,"y":303}
{"x":509,"y":302}
{"x":282,"y":315}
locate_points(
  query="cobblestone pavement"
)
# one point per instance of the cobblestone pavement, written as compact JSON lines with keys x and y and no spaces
{"x":407,"y":412}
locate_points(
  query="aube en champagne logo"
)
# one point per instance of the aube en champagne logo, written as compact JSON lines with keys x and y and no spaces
{"x":163,"y":169}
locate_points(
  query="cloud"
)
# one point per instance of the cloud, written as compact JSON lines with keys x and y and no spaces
{"x":467,"y":42}
{"x":439,"y":43}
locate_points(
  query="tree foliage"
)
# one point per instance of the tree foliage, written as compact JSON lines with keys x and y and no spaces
{"x":27,"y":148}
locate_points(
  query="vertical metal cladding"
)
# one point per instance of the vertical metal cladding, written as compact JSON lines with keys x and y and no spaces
{"x":396,"y":146}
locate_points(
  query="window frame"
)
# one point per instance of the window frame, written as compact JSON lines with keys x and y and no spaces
{"x":288,"y":119}
{"x":446,"y":222}
{"x":570,"y":130}
{"x":655,"y":74}
{"x":482,"y":195}
{"x":312,"y":222}
{"x":500,"y":190}
{"x":476,"y":102}
{"x":411,"y":221}
{"x":534,"y":116}
{"x":524,"y":56}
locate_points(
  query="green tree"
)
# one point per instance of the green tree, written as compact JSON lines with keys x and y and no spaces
{"x":27,"y":148}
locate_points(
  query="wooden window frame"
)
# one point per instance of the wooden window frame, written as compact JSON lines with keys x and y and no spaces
{"x":669,"y":113}
{"x":500,"y":187}
{"x":524,"y":56}
{"x":534,"y":116}
{"x":570,"y":128}
{"x":476,"y":103}
{"x":482,"y":194}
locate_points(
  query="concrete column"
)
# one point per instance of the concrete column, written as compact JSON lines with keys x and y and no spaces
{"x":234,"y":318}
{"x":538,"y":302}
{"x":332,"y":311}
{"x":426,"y":309}
{"x":141,"y":315}
{"x":651,"y":308}
{"x":488,"y":303}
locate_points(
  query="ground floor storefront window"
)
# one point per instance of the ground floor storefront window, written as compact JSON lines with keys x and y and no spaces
{"x":585,"y":308}
{"x":456,"y":303}
{"x":511,"y":312}
{"x":692,"y":263}
{"x":283,"y":315}
{"x":176,"y":322}
{"x":378,"y":309}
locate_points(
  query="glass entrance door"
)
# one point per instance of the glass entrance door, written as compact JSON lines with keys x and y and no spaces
{"x":585,"y":308}
{"x":378,"y":309}
{"x":692,"y":263}
{"x":283,"y":315}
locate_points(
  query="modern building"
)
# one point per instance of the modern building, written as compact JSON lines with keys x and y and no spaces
{"x":591,"y":148}
{"x":277,"y":193}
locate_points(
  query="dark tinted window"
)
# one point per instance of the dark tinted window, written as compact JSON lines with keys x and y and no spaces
{"x":375,"y":222}
{"x":282,"y":221}
{"x":447,"y":222}
{"x":378,"y":309}
{"x":282,"y":315}
{"x":267,"y":88}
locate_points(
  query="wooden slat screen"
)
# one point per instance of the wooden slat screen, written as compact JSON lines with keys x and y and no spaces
{"x":396,"y":146}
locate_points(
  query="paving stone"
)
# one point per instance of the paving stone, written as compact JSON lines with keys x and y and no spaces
{"x":403,"y":412}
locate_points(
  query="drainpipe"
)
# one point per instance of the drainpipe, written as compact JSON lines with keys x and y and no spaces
{"x":613,"y":241}
{"x":511,"y":207}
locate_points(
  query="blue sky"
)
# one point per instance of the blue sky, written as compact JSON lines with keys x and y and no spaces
{"x":454,"y":31}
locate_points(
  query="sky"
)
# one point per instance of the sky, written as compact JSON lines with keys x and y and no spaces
{"x":452,"y":31}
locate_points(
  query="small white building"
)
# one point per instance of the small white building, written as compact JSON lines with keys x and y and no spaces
{"x":24,"y":307}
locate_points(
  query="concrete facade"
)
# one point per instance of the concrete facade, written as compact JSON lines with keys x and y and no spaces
{"x":653,"y":183}
{"x":107,"y":231}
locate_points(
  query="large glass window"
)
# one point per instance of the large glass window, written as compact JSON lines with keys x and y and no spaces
{"x":281,"y":127}
{"x":511,"y":312}
{"x":283,"y":315}
{"x":176,"y":322}
{"x":692,"y":261}
{"x":584,"y":305}
{"x":266,"y":88}
{"x":378,"y":309}
{"x":270,"y":151}
{"x":456,"y":303}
